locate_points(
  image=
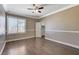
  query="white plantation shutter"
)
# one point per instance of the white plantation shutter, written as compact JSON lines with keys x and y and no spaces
{"x":21,"y":25}
{"x":16,"y":24}
{"x":12,"y":24}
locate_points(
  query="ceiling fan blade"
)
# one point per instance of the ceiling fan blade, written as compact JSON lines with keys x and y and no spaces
{"x":41,"y":8}
{"x":33,"y":4}
{"x":30,"y":8}
{"x":39,"y":11}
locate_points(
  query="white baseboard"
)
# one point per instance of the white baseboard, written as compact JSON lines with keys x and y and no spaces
{"x":2,"y":48}
{"x":13,"y":40}
{"x":68,"y":44}
{"x":19,"y":39}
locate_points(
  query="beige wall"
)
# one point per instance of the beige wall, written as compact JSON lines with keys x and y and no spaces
{"x":60,"y":26}
{"x":65,"y":20}
{"x":30,"y":30}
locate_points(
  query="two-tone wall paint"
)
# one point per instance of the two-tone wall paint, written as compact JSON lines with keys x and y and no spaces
{"x":30,"y":30}
{"x":63,"y":26}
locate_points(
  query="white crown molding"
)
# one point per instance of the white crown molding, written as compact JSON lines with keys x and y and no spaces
{"x":59,"y":10}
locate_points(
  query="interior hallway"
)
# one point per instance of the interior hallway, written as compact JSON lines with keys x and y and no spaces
{"x":38,"y":46}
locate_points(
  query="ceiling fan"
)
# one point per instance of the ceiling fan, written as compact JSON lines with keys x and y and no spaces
{"x":36,"y":8}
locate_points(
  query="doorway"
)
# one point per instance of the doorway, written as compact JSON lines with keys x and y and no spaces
{"x":40,"y":30}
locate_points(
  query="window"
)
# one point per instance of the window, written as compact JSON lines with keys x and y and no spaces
{"x":16,"y":24}
{"x":12,"y":24}
{"x":21,"y":25}
{"x":2,"y":25}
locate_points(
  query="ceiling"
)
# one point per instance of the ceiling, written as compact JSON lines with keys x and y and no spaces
{"x":21,"y":9}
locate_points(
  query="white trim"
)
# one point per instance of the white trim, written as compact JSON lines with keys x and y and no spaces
{"x":64,"y":31}
{"x":2,"y":48}
{"x":68,"y":44}
{"x":19,"y":39}
{"x":59,"y":10}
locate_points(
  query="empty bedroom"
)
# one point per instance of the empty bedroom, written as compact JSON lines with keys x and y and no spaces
{"x":39,"y":29}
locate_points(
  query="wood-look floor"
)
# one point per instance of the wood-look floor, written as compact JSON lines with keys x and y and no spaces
{"x":38,"y":46}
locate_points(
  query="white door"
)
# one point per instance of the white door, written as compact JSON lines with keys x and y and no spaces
{"x":38,"y":29}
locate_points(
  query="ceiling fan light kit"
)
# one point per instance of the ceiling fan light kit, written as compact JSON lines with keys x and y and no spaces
{"x":36,"y":8}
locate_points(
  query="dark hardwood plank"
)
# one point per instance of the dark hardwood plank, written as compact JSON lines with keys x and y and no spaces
{"x":38,"y":46}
